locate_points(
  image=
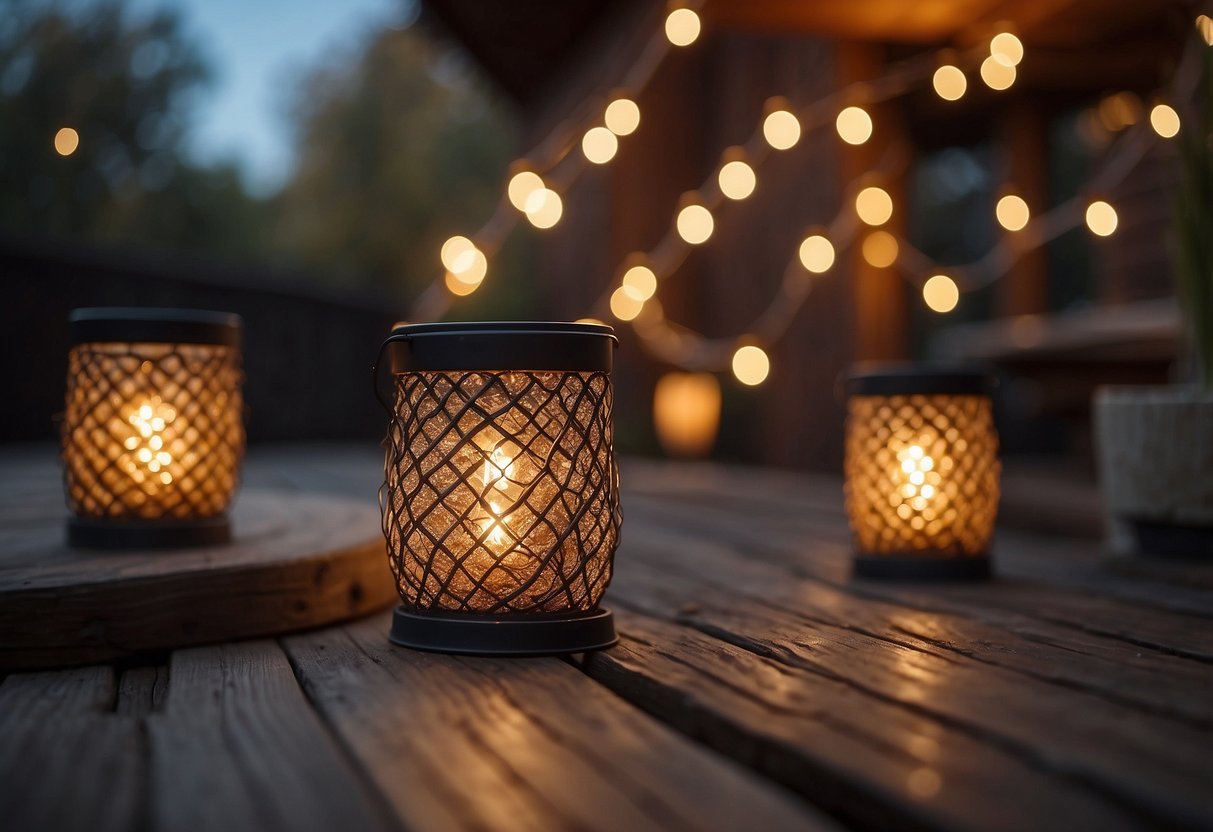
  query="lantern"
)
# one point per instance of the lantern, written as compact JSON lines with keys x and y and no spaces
{"x":921,"y":473}
{"x":500,"y":499}
{"x":686,"y":413}
{"x":153,"y":430}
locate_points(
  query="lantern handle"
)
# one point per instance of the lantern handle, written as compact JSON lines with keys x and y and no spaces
{"x":375,"y":370}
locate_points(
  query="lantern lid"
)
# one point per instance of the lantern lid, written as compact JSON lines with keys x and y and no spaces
{"x":922,"y":379}
{"x":152,"y":325}
{"x":502,"y":345}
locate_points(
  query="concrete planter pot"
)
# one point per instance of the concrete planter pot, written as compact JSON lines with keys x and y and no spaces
{"x":1154,"y":448}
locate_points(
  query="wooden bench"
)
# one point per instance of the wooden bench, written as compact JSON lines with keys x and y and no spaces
{"x":756,"y":687}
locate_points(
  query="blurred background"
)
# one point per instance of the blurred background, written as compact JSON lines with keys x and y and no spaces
{"x":305,"y":163}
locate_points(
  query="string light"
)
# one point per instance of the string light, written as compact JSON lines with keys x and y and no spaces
{"x":622,"y":116}
{"x":816,"y":254}
{"x":1012,"y":212}
{"x":66,"y":141}
{"x":457,"y":287}
{"x":1164,"y":120}
{"x":1006,"y":49}
{"x":543,"y":208}
{"x":949,"y":82}
{"x":940,"y":293}
{"x":1101,"y":218}
{"x":1204,"y":25}
{"x":522,"y":185}
{"x":781,"y":129}
{"x":682,"y":27}
{"x":880,"y":249}
{"x":736,"y":179}
{"x":599,"y":145}
{"x":874,"y":205}
{"x":624,"y":305}
{"x":854,"y":125}
{"x":695,"y":224}
{"x":751,"y":365}
{"x":456,"y":253}
{"x":471,"y":267}
{"x":996,"y":74}
{"x":640,"y":282}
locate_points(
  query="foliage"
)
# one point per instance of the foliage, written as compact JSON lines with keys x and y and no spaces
{"x":1194,"y":222}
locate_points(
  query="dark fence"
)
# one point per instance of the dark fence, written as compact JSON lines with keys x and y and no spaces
{"x":308,"y":349}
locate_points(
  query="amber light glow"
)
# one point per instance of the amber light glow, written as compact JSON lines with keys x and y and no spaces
{"x":66,"y":141}
{"x":781,"y":129}
{"x":686,"y":413}
{"x":949,"y":83}
{"x":682,"y":27}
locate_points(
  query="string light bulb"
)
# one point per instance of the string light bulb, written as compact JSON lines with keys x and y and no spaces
{"x":641,"y":282}
{"x":695,"y":223}
{"x":471,"y":267}
{"x":1101,"y":218}
{"x":1164,"y":120}
{"x":874,"y":205}
{"x":751,"y":366}
{"x":1012,"y":212}
{"x":522,"y":185}
{"x":622,"y":116}
{"x":599,"y":145}
{"x":854,"y":125}
{"x":457,"y":287}
{"x":682,"y":27}
{"x":625,"y":305}
{"x":816,"y":254}
{"x":949,"y":82}
{"x":1204,"y":25}
{"x":543,"y":208}
{"x":1006,"y":49}
{"x":736,"y":178}
{"x":66,"y":141}
{"x":997,"y":75}
{"x":880,"y":249}
{"x":456,"y":253}
{"x":940,"y":293}
{"x":781,"y":129}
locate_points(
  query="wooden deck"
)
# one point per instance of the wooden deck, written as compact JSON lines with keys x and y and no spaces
{"x":756,"y":687}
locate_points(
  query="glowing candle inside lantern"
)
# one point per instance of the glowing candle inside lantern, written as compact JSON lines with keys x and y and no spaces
{"x":149,"y":460}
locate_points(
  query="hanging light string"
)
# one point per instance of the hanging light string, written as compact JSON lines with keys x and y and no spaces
{"x":536,"y":180}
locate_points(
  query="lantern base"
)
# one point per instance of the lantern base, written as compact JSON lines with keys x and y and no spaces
{"x":150,"y":534}
{"x":906,"y":567}
{"x":512,"y":635}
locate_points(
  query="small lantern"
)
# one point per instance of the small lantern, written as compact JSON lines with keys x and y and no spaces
{"x":153,"y":431}
{"x":501,"y":495}
{"x":921,"y":473}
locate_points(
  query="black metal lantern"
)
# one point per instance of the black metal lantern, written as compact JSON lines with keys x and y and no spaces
{"x":153,"y":430}
{"x":921,"y":472}
{"x":500,"y":500}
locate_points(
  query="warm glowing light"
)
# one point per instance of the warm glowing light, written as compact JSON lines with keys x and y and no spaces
{"x":880,"y":249}
{"x":599,"y":145}
{"x":471,"y":268}
{"x":457,"y":287}
{"x":781,"y":129}
{"x":751,"y":365}
{"x":854,"y":125}
{"x":622,"y":117}
{"x":522,"y":185}
{"x":1012,"y":212}
{"x":874,"y":205}
{"x":949,"y":82}
{"x":66,"y":141}
{"x":625,"y":305}
{"x":543,"y":208}
{"x":1101,"y":218}
{"x":641,"y":282}
{"x":737,"y":179}
{"x":816,"y":254}
{"x":457,"y":253}
{"x":1204,"y":25}
{"x":146,"y":443}
{"x":499,"y":485}
{"x":686,"y":413}
{"x":997,"y":75}
{"x":682,"y":27}
{"x":1006,"y":49}
{"x":594,"y":321}
{"x":1164,"y":120}
{"x":941,"y":293}
{"x":695,"y":224}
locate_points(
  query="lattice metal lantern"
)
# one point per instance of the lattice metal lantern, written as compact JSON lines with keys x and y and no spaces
{"x":501,"y":495}
{"x":153,"y":431}
{"x":921,"y":472}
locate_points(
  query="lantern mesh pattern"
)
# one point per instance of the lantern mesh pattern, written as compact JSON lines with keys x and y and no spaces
{"x":922,"y":474}
{"x":152,"y":431}
{"x":501,"y":493}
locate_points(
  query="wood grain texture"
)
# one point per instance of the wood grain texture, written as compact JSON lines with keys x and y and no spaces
{"x":298,"y":561}
{"x":237,"y":747}
{"x":459,"y":743}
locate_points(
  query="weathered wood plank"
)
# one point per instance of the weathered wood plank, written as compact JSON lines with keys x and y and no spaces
{"x":874,"y":764}
{"x":237,"y":747}
{"x":1159,"y":766}
{"x":67,"y":760}
{"x":519,"y":744}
